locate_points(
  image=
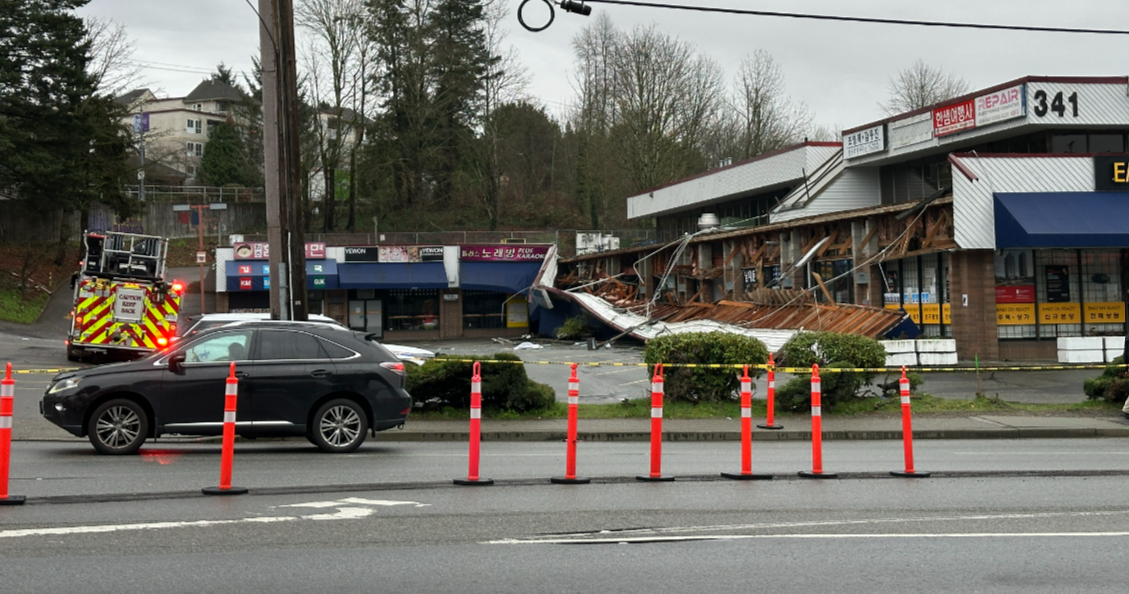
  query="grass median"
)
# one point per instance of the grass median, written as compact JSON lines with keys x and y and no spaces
{"x":876,"y":405}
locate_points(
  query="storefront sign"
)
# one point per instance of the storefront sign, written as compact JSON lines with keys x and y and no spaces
{"x":1015,"y":294}
{"x":931,"y":313}
{"x":1060,"y":313}
{"x":911,"y":130}
{"x":252,"y":251}
{"x":864,"y":142}
{"x":946,"y":315}
{"x":1015,"y":314}
{"x":954,"y":118}
{"x":315,"y":250}
{"x":409,"y":253}
{"x":914,"y":311}
{"x":260,"y":250}
{"x":1001,"y":105}
{"x":1111,"y":174}
{"x":1058,"y":283}
{"x":361,"y":254}
{"x":245,"y":284}
{"x":497,"y":253}
{"x":1112,"y":312}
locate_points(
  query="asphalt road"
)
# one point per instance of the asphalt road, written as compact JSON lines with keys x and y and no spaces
{"x":988,"y":534}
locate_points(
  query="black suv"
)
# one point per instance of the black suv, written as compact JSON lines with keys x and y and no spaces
{"x":326,"y":382}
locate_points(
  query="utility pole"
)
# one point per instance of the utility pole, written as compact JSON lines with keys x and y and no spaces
{"x":282,"y":160}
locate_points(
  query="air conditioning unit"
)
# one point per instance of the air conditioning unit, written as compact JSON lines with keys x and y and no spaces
{"x":513,"y":240}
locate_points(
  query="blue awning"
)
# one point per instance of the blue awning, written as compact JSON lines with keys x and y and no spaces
{"x":247,"y":275}
{"x":1062,"y":220}
{"x":504,"y":277}
{"x":321,"y":274}
{"x":416,"y":275}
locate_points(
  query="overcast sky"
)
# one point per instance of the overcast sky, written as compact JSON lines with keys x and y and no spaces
{"x":840,"y":70}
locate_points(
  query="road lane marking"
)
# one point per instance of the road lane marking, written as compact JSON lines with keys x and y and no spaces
{"x":346,"y":510}
{"x":646,"y":532}
{"x":651,"y":539}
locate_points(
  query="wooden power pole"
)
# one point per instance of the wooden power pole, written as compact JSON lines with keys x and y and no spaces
{"x":282,"y":161}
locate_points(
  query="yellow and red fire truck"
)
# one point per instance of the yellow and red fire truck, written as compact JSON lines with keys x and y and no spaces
{"x":122,"y":303}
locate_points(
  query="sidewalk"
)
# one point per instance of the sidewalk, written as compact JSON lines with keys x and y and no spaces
{"x":795,"y":428}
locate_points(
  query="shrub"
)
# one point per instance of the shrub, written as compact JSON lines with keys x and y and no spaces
{"x":505,"y":386}
{"x":1111,"y":386}
{"x":574,"y":328}
{"x":693,"y":384}
{"x":829,"y":350}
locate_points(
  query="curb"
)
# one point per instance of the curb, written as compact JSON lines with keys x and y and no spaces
{"x":677,"y":436}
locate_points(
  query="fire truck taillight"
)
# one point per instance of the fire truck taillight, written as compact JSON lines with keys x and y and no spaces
{"x":162,"y":341}
{"x":176,"y":287}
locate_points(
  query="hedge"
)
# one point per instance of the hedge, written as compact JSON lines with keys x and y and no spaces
{"x":1111,"y":386}
{"x":698,"y":384}
{"x":829,"y":350}
{"x":505,"y":386}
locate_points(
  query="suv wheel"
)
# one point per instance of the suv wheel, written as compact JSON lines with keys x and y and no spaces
{"x":339,"y":426}
{"x":118,"y":427}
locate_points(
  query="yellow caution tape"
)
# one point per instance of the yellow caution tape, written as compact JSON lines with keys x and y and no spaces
{"x":58,"y":370}
{"x":796,"y":370}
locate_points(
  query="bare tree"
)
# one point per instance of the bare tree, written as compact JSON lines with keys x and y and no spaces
{"x":666,"y":97}
{"x":505,"y":81}
{"x":766,"y":118}
{"x":111,"y":52}
{"x":921,"y":85}
{"x":333,"y":25}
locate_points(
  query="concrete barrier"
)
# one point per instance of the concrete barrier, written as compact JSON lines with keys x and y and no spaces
{"x":1081,"y":349}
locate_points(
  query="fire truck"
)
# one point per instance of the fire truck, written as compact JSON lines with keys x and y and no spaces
{"x":122,"y":304}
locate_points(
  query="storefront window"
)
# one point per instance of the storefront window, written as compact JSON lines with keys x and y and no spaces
{"x":1103,"y":309}
{"x":930,"y":295}
{"x":483,"y":309}
{"x":1015,"y":294}
{"x":1060,"y":308}
{"x":411,"y":309}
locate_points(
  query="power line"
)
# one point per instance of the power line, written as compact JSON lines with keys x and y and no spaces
{"x":822,"y":17}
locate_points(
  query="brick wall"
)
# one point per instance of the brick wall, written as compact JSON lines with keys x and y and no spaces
{"x":450,"y":314}
{"x":974,"y":326}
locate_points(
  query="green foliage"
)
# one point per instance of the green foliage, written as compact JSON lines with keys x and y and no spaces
{"x":62,"y":143}
{"x":1111,"y":386}
{"x":225,"y":159}
{"x":574,"y":328}
{"x":695,"y":384}
{"x":14,"y":308}
{"x":505,"y":386}
{"x":830,"y":350}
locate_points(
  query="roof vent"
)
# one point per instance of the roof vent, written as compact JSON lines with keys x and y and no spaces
{"x":708,"y":220}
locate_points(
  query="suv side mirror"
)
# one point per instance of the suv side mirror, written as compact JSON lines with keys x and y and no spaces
{"x":175,"y":360}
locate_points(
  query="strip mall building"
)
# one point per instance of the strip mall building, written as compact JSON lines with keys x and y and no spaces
{"x":400,"y":292}
{"x":1000,"y":219}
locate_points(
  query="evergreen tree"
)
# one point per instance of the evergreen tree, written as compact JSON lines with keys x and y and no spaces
{"x":225,"y":158}
{"x":62,"y":145}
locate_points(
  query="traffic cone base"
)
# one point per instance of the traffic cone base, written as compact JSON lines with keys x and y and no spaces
{"x":746,"y":477}
{"x":564,"y":480}
{"x":775,"y":427}
{"x":654,"y":479}
{"x":13,"y":500}
{"x":221,"y":491}
{"x":909,"y":474}
{"x":474,"y":482}
{"x":818,"y":475}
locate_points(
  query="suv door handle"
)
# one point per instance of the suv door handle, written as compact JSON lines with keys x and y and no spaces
{"x":319,"y":373}
{"x":242,"y":374}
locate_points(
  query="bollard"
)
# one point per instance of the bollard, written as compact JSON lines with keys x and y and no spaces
{"x":656,"y":429}
{"x":907,"y":432}
{"x":475,"y":429}
{"x":746,"y":473}
{"x":816,"y":430}
{"x":570,"y":477}
{"x":231,"y":394}
{"x":770,"y":422}
{"x":7,"y":401}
